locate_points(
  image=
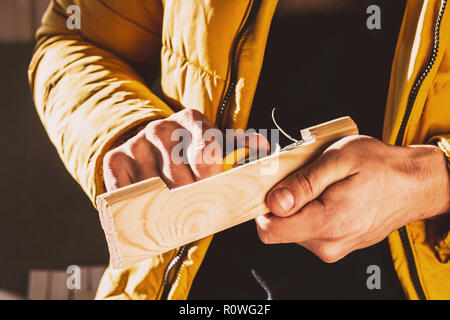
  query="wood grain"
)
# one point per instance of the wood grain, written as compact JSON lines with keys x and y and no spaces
{"x":146,"y":218}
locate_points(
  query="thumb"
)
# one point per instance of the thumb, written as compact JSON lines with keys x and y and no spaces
{"x":307,"y":184}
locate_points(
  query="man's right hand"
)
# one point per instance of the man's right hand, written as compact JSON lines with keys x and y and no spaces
{"x":150,"y":153}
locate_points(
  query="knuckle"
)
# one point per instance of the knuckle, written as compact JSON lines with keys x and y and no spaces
{"x":333,"y":153}
{"x":342,"y":154}
{"x":213,"y":135}
{"x":189,"y":115}
{"x":304,"y":183}
{"x":346,"y":142}
{"x":209,"y":145}
{"x":350,"y":146}
{"x":213,"y":138}
{"x":114,"y":158}
{"x":161,"y":128}
{"x":139,"y":146}
{"x":135,"y":147}
{"x":193,"y":113}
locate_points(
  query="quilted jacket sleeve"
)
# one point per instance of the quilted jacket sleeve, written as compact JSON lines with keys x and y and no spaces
{"x":88,"y":83}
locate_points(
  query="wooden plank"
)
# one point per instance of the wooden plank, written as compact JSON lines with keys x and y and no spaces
{"x":146,"y":219}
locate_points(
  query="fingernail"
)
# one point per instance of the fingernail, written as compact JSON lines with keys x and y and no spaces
{"x":284,"y":198}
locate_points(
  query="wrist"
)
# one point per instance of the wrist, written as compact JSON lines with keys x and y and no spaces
{"x":430,"y":173}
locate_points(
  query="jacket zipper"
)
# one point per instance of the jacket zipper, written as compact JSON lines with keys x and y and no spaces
{"x":234,"y":63}
{"x":175,"y":265}
{"x":399,"y":141}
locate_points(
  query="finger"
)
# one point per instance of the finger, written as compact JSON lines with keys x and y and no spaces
{"x":171,"y":166}
{"x":204,"y":143}
{"x":303,"y":226}
{"x":118,"y":170}
{"x":307,"y":184}
{"x":255,"y":142}
{"x":141,"y":150}
{"x":245,"y":147}
{"x":205,"y":154}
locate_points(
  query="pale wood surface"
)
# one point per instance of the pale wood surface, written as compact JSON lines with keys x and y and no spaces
{"x":146,"y":219}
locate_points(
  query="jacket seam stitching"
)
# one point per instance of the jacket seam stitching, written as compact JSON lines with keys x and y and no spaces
{"x":191,"y":63}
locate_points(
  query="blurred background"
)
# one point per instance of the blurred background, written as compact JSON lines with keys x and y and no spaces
{"x":48,"y":224}
{"x":46,"y":221}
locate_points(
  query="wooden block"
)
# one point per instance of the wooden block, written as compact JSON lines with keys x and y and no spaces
{"x":146,"y":218}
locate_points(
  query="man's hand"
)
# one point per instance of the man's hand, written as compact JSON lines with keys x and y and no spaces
{"x":356,"y":193}
{"x":154,"y":152}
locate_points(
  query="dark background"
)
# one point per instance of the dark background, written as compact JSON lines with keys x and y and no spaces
{"x":46,"y":221}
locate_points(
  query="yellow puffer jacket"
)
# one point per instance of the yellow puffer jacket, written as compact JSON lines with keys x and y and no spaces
{"x":91,"y":91}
